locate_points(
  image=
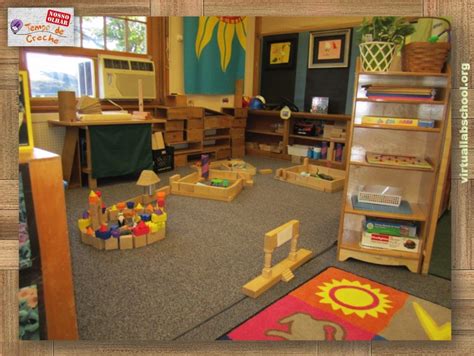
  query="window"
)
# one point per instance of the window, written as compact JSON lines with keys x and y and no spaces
{"x":122,"y":34}
{"x":51,"y":73}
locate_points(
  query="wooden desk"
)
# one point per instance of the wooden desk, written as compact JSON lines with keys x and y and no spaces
{"x":71,"y":160}
{"x":50,"y":220}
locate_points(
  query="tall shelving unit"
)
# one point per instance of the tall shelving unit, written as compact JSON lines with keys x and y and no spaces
{"x":420,"y":185}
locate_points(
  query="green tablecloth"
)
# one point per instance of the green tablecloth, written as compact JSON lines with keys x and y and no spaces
{"x":118,"y":150}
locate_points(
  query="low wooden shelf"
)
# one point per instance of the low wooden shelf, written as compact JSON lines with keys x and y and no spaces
{"x":260,"y":130}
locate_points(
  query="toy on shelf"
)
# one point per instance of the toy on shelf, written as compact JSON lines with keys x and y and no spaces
{"x":220,"y":185}
{"x":135,"y":223}
{"x":282,"y":271}
{"x":398,"y":161}
{"x":312,"y":176}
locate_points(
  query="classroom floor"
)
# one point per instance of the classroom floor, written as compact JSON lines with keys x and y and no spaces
{"x":187,"y":287}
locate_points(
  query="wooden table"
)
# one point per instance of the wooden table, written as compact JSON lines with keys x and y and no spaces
{"x":71,"y":158}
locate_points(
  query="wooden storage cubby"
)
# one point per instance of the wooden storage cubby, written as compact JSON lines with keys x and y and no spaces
{"x":188,"y":128}
{"x":422,"y":187}
{"x":266,"y":127}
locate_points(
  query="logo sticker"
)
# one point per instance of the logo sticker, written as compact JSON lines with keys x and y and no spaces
{"x":40,"y":27}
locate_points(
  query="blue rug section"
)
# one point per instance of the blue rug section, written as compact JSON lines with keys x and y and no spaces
{"x":404,"y":207}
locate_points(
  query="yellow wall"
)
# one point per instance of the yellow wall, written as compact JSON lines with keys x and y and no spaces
{"x":277,"y":25}
{"x":176,"y":72}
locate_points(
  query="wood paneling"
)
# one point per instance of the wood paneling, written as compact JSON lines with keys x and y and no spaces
{"x":176,"y":7}
{"x":313,"y":7}
{"x":460,"y":11}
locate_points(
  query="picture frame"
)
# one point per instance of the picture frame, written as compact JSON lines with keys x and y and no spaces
{"x":25,"y":128}
{"x":281,"y":53}
{"x":329,"y":49}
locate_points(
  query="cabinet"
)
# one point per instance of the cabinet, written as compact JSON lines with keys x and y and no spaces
{"x":422,"y":187}
{"x":268,"y":135}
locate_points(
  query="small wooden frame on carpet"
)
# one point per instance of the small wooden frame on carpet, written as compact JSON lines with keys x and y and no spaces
{"x":293,"y":175}
{"x":282,"y":271}
{"x":193,"y":185}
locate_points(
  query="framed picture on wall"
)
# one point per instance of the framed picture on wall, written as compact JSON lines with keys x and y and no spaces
{"x":281,"y":54}
{"x":329,"y":49}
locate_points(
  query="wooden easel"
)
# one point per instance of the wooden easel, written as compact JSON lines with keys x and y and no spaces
{"x":284,"y":269}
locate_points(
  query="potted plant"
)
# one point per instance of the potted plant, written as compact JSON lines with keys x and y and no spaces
{"x":379,"y":39}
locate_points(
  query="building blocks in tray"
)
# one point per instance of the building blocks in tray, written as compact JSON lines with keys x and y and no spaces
{"x":194,"y":185}
{"x":135,"y":223}
{"x":312,"y":176}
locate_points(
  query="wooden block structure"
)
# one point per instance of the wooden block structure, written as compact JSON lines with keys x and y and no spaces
{"x":282,"y":271}
{"x":157,"y":227}
{"x":293,"y":175}
{"x":243,"y":169}
{"x":192,"y":186}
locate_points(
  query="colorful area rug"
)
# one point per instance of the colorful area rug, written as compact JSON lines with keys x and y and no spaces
{"x":338,"y":305}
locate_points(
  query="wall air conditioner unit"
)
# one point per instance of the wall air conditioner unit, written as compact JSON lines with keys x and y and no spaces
{"x":118,"y":77}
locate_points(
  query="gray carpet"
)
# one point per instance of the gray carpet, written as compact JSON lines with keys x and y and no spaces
{"x":188,"y":285}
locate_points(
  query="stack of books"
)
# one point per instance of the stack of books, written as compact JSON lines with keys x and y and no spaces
{"x":381,"y":92}
{"x":390,"y":234}
{"x":395,"y":121}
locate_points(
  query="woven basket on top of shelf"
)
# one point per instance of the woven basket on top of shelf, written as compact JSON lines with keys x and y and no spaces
{"x":425,"y":56}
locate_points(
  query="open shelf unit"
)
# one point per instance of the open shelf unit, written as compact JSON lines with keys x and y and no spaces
{"x":421,"y":187}
{"x":266,"y":128}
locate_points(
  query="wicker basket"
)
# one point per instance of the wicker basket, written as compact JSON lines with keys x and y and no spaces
{"x":425,"y":56}
{"x":376,"y":56}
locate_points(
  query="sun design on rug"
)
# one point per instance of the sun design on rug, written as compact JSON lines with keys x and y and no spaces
{"x":354,"y":297}
{"x":227,"y":27}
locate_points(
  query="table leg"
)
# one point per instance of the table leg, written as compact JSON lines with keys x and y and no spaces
{"x":91,"y":181}
{"x":69,"y":151}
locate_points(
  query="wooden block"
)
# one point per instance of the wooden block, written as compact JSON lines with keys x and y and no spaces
{"x":174,"y":136}
{"x":126,"y":242}
{"x":220,"y":154}
{"x":174,"y":125}
{"x":265,"y":171}
{"x":86,"y":238}
{"x":259,"y":285}
{"x":176,"y":100}
{"x":111,"y":244}
{"x":194,"y":124}
{"x":157,"y":141}
{"x":139,"y":241}
{"x":153,"y":237}
{"x":239,"y":91}
{"x":238,"y":132}
{"x":238,"y":151}
{"x":239,"y":122}
{"x":113,"y":215}
{"x":180,"y":160}
{"x":195,"y":112}
{"x":217,"y":122}
{"x":98,"y":243}
{"x":194,"y":135}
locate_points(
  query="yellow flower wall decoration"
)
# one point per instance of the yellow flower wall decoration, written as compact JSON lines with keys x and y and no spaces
{"x":228,"y":26}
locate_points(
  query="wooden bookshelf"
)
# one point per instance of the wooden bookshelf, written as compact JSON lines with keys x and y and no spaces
{"x":261,"y":129}
{"x":421,"y":187}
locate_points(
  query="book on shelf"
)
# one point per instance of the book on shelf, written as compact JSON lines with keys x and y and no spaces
{"x":390,"y":227}
{"x":382,"y":89}
{"x":397,"y":121}
{"x":397,"y":161}
{"x":400,"y":98}
{"x":389,"y":242}
{"x":380,"y":92}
